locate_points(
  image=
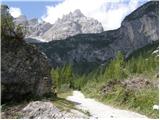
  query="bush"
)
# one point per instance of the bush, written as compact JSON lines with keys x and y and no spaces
{"x":61,"y":75}
{"x":115,"y":69}
{"x":8,"y":28}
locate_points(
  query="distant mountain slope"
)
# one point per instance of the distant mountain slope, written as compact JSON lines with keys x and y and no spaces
{"x":137,"y":30}
{"x":146,"y":51}
{"x":71,"y":24}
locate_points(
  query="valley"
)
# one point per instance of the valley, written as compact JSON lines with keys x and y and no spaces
{"x":75,"y":69}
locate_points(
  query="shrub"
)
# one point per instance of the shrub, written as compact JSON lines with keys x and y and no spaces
{"x":115,"y":69}
{"x":8,"y":28}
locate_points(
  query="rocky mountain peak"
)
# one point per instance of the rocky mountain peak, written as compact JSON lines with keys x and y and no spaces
{"x":77,"y":13}
{"x":146,"y":9}
{"x":33,"y":21}
{"x":72,"y":24}
{"x":69,"y":25}
{"x":72,"y":16}
{"x":22,"y":19}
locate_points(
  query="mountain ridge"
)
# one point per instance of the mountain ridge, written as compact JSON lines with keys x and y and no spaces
{"x":98,"y":48}
{"x":69,"y":25}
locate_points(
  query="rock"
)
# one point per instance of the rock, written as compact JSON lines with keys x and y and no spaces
{"x":47,"y":110}
{"x":72,"y":24}
{"x":22,"y":19}
{"x":40,"y":110}
{"x":33,"y":26}
{"x":157,"y":75}
{"x":4,"y":10}
{"x":155,"y":107}
{"x":138,"y":29}
{"x":25,"y":71}
{"x":136,"y":83}
{"x":37,"y":29}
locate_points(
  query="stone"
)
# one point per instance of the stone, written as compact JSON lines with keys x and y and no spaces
{"x":47,"y":110}
{"x":25,"y":71}
{"x":72,"y":24}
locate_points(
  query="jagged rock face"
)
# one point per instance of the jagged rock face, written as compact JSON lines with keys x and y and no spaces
{"x":138,"y":29}
{"x":72,"y":24}
{"x":24,"y":72}
{"x":22,"y":19}
{"x":141,"y":27}
{"x":37,"y":29}
{"x":33,"y":27}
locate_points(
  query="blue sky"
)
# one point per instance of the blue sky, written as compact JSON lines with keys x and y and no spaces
{"x":109,"y":12}
{"x":32,"y":9}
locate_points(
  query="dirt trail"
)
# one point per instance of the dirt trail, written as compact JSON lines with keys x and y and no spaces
{"x":99,"y":110}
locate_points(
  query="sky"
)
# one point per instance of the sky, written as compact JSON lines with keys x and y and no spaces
{"x":109,"y":12}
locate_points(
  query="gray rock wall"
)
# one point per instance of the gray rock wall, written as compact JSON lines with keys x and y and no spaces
{"x":25,"y":71}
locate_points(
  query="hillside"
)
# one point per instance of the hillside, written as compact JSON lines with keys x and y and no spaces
{"x":87,"y":51}
{"x":129,"y":84}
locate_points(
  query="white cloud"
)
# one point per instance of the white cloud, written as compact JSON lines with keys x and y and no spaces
{"x":109,"y":12}
{"x":15,"y":12}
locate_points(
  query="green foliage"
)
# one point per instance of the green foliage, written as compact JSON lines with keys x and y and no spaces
{"x":8,"y":28}
{"x":144,"y":100}
{"x":56,"y":81}
{"x":142,"y":65}
{"x":115,"y":70}
{"x":139,"y":100}
{"x":79,"y":82}
{"x":60,"y":76}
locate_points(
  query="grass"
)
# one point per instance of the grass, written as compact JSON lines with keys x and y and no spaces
{"x":142,"y":63}
{"x":66,"y":105}
{"x":140,"y":101}
{"x":65,"y":91}
{"x":63,"y":104}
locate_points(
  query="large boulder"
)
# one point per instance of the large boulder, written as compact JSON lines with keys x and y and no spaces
{"x":25,"y":71}
{"x":47,"y":110}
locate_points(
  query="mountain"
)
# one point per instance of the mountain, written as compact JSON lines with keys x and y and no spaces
{"x":33,"y":26}
{"x":70,"y":25}
{"x":22,"y":19}
{"x":86,"y":51}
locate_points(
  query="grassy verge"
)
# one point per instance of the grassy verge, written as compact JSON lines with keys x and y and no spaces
{"x":130,"y":83}
{"x":139,"y":100}
{"x":66,"y":105}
